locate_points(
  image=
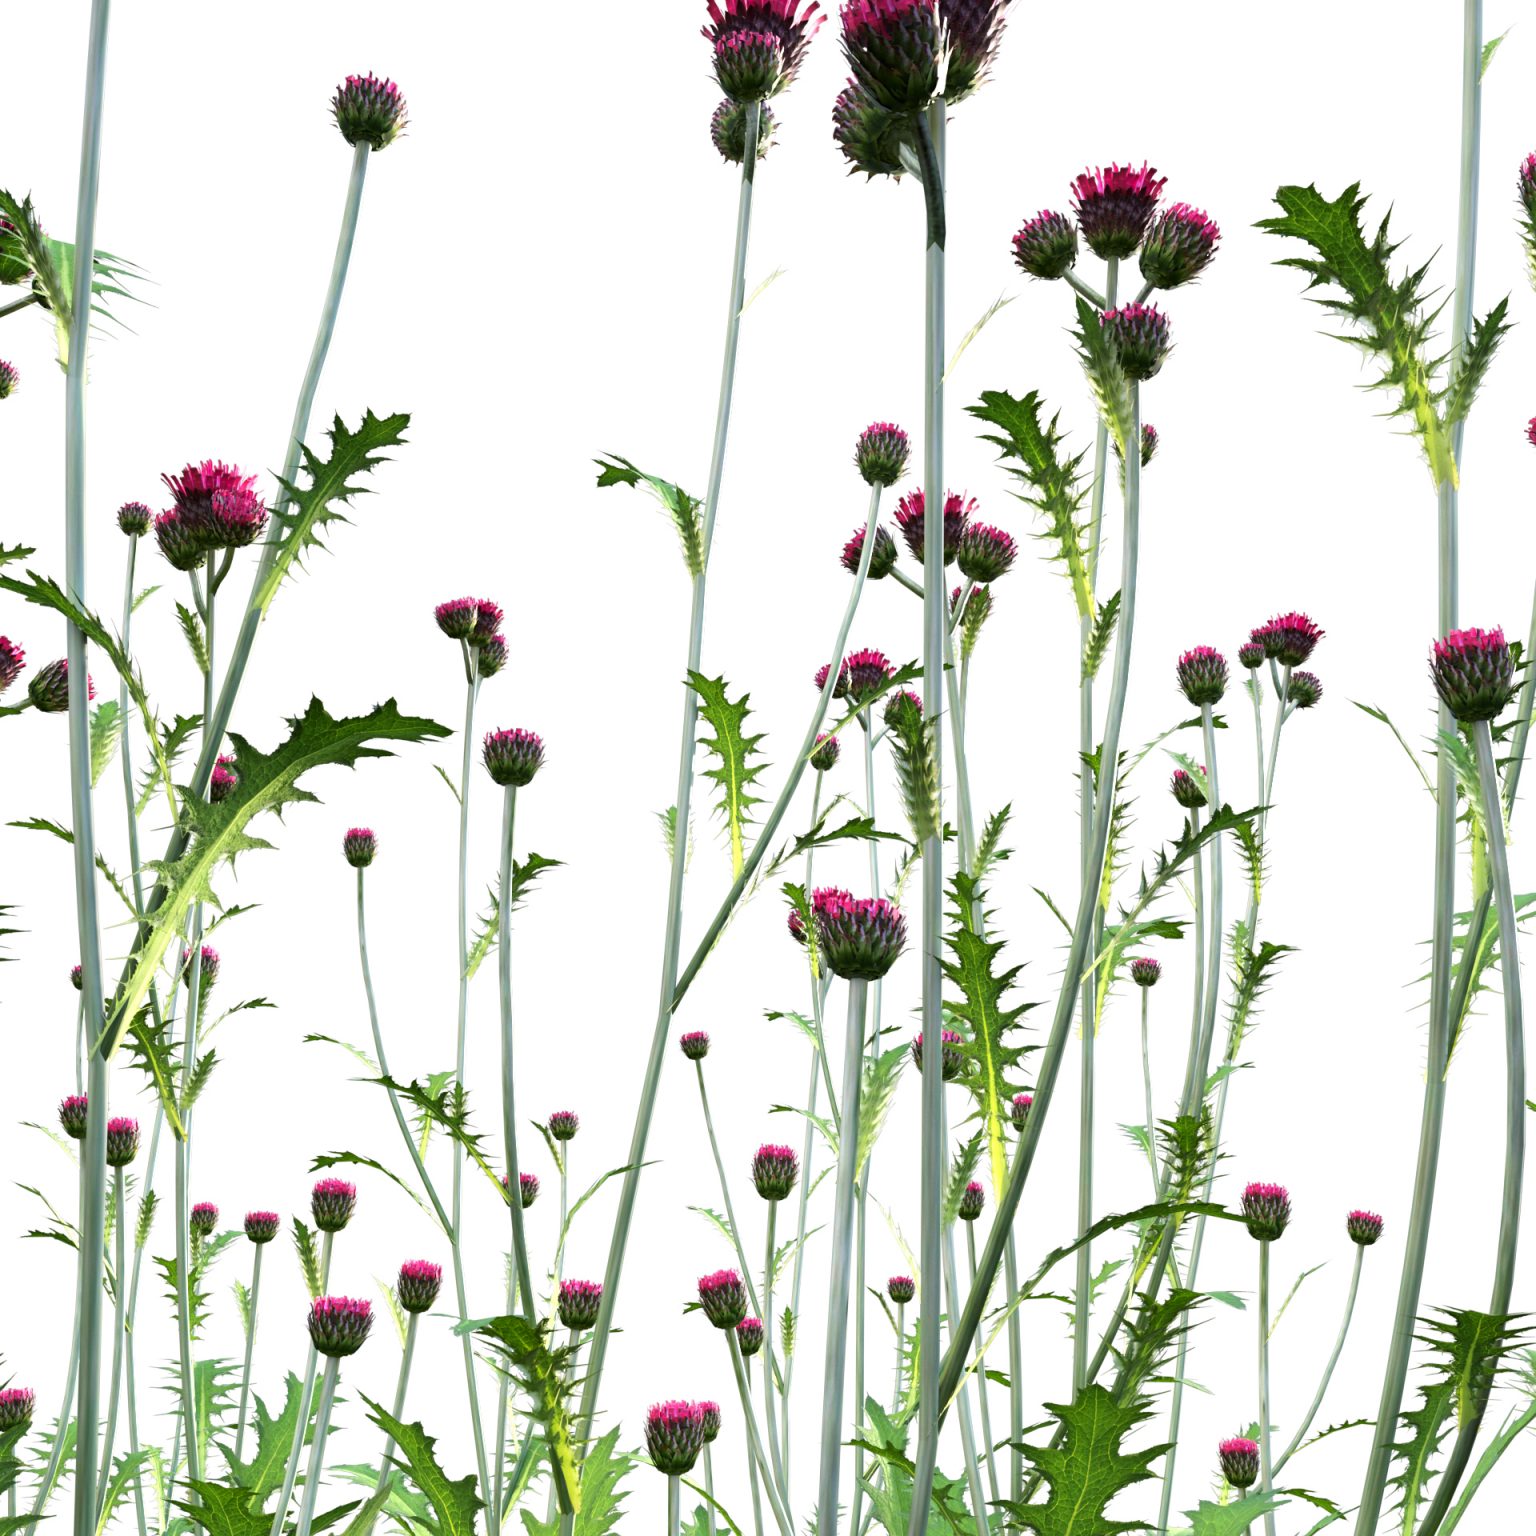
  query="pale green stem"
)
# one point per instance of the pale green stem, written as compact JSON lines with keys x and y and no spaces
{"x":1093,"y":296}
{"x":119,"y":1311}
{"x":508,"y":1097}
{"x":1333,"y":1360}
{"x":306,"y":1395}
{"x":503,"y":1397}
{"x":250,"y":1349}
{"x":401,"y":1382}
{"x":963,"y":1399}
{"x":757,"y":1456}
{"x":901,"y":1341}
{"x":768,"y":1348}
{"x":674,"y":1506}
{"x":1501,"y":1442}
{"x":55,"y":1456}
{"x":317,"y":1450}
{"x":709,"y":1491}
{"x":753,"y":1481}
{"x":1146,"y":1085}
{"x":981,"y":1379}
{"x":133,"y":1304}
{"x":1266,"y":1467}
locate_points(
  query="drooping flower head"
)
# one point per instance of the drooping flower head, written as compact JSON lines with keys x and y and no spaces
{"x":1114,"y":205}
{"x":513,"y":757}
{"x":203,"y":1218}
{"x":72,"y":1113}
{"x":1474,"y":673}
{"x":1019,"y":1113}
{"x":1288,"y":638}
{"x":580,"y":1302}
{"x":711,"y":1412}
{"x":783,"y":21}
{"x":901,"y":1289}
{"x":207,"y":968}
{"x":1141,"y":336}
{"x":1202,"y":675}
{"x":985,"y":553}
{"x":16,"y":1406}
{"x":224,"y":780}
{"x":360,"y":846}
{"x":951,"y":1061}
{"x":1239,"y":1459}
{"x":1179,"y":246}
{"x":331,"y":1203}
{"x":1046,"y":246}
{"x":695,"y":1044}
{"x":774,"y":1171}
{"x":957,"y":513}
{"x":216,"y":506}
{"x":49,"y":688}
{"x":1364,"y":1227}
{"x":723,"y":1297}
{"x":881,"y":453}
{"x":456,"y":617}
{"x":262,"y":1226}
{"x":417,"y":1285}
{"x":728,"y":130}
{"x":973,"y":1200}
{"x":13,"y":658}
{"x":1186,"y":790}
{"x":881,"y":563}
{"x":869,"y":672}
{"x":134,"y":518}
{"x":10,"y":377}
{"x":860,"y":939}
{"x":749,"y":1336}
{"x":825,"y":755}
{"x":895,"y":50}
{"x":122,"y":1141}
{"x":674,"y":1436}
{"x":1305,"y":690}
{"x":339,"y":1325}
{"x":840,"y":686}
{"x":369,"y":111}
{"x":869,"y":137}
{"x":1145,"y":971}
{"x":564,"y":1124}
{"x":1267,"y":1210}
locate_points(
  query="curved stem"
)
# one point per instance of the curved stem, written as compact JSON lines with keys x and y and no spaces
{"x":1333,"y":1360}
{"x":250,"y":1348}
{"x":317,"y":1450}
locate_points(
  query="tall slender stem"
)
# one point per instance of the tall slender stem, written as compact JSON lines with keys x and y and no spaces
{"x":250,"y":1349}
{"x":401,"y":1381}
{"x":901,"y":1346}
{"x":306,"y":1396}
{"x":317,"y":1450}
{"x":1266,"y":1468}
{"x":675,"y":1506}
{"x":508,"y":1098}
{"x":119,"y":1305}
{"x":1333,"y":1360}
{"x":758,"y":1456}
{"x":768,"y":1344}
{"x":981,"y":1378}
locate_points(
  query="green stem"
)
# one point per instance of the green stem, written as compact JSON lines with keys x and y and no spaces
{"x":18,"y":304}
{"x":901,"y":1344}
{"x":401,"y":1381}
{"x":306,"y":1396}
{"x":119,"y":1299}
{"x":317,"y":1450}
{"x":1333,"y":1360}
{"x":754,"y":1437}
{"x":1501,"y":1442}
{"x":250,"y":1349}
{"x":1146,"y":1086}
{"x":674,"y":1506}
{"x":508,"y":1097}
{"x":981,"y":1378}
{"x":768,"y":1348}
{"x":709,"y":1491}
{"x":967,"y":1431}
{"x":1266,"y":1468}
{"x":133,"y":1305}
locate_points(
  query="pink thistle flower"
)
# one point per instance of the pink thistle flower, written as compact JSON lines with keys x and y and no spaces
{"x":1186,"y":789}
{"x":513,"y":757}
{"x":868,"y":673}
{"x":728,"y":130}
{"x":881,"y":454}
{"x":1251,"y":654}
{"x":1179,"y":246}
{"x":77,"y":977}
{"x":1239,"y":1459}
{"x":1149,"y":444}
{"x":859,"y":939}
{"x":1202,"y":675}
{"x":418,"y":1283}
{"x":339,"y":1325}
{"x":181,"y":543}
{"x":369,"y":111}
{"x":796,"y":925}
{"x":1114,"y":205}
{"x":984,"y":553}
{"x":1141,"y":336}
{"x":957,"y":513}
{"x":1364,"y":1227}
{"x":360,"y":846}
{"x":491,"y":656}
{"x":456,"y":617}
{"x":1305,"y":690}
{"x":1145,"y":971}
{"x":840,"y":687}
{"x":1046,"y":246}
{"x":207,"y":968}
{"x":825,"y":755}
{"x":488,"y":617}
{"x":262,"y":1226}
{"x":950,"y":1059}
{"x":695,"y":1044}
{"x":1473,"y":671}
{"x":749,"y":66}
{"x":12,"y":661}
{"x":895,"y":50}
{"x":16,"y":1406}
{"x":580,"y":1301}
{"x":73,"y":1109}
{"x":749,"y":1336}
{"x":135,"y":519}
{"x":10,"y":377}
{"x":1530,"y":432}
{"x":203,"y":1218}
{"x":1526,"y":187}
{"x":1267,"y":1210}
{"x":711,"y":1412}
{"x":564,"y":1124}
{"x":782,"y":20}
{"x":216,"y":507}
{"x":901,"y":1289}
{"x":974,"y":28}
{"x":723,"y":1297}
{"x":528,"y":1188}
{"x":973,"y":1200}
{"x":674,"y":1436}
{"x":1288,"y":638}
{"x":881,"y":563}
{"x":774,"y":1171}
{"x":1022,"y":1104}
{"x":332,"y":1203}
{"x":48,"y":690}
{"x":223,"y":781}
{"x":122,"y":1141}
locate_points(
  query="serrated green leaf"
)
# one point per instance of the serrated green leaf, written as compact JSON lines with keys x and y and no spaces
{"x":1097,"y":645}
{"x":1474,"y":362}
{"x":881,"y":1075}
{"x":524,"y":873}
{"x":454,"y":1504}
{"x":1100,"y":359}
{"x":1208,"y":1519}
{"x":603,"y":1468}
{"x":192,"y":632}
{"x":735,"y":769}
{"x":680,"y":507}
{"x":106,"y":732}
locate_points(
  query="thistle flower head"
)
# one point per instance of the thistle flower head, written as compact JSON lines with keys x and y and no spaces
{"x":881,"y":563}
{"x":789,"y":26}
{"x":1526,"y":186}
{"x":122,"y":1141}
{"x":749,"y":1336}
{"x":1114,"y":205}
{"x":695,"y":1044}
{"x":1251,"y":654}
{"x":216,"y":506}
{"x":901,"y":1288}
{"x":456,"y":617}
{"x":825,"y":755}
{"x":674,"y":1436}
{"x":840,"y":686}
{"x":951,"y":1061}
{"x":774,"y":1171}
{"x":77,"y":977}
{"x":881,"y":454}
{"x":16,"y":1406}
{"x":262,"y":1226}
{"x":207,"y":968}
{"x":369,"y":111}
{"x":134,"y":518}
{"x":1149,"y":443}
{"x":417,"y":1285}
{"x":182,"y":545}
{"x":723,"y":1297}
{"x":1530,"y":431}
{"x":1305,"y":689}
{"x":528,"y":1188}
{"x":1046,"y":246}
{"x":973,"y":28}
{"x":1364,"y":1227}
{"x":491,"y":655}
{"x":903,"y":712}
{"x":13,"y":658}
{"x":957,"y":513}
{"x":711,"y":1412}
{"x":49,"y":688}
{"x":1145,"y":971}
{"x":1178,"y":247}
{"x":1140,"y":333}
{"x":1239,"y":1459}
{"x":203,"y":1218}
{"x":860,"y":939}
{"x":1202,"y":675}
{"x":869,"y":672}
{"x":973,"y":1200}
{"x":869,"y":136}
{"x":331,"y":1203}
{"x":1019,"y":1113}
{"x":1267,"y":1210}
{"x":223,"y":781}
{"x":984,"y":553}
{"x":1288,"y":638}
{"x":1186,"y":790}
{"x":796,"y":925}
{"x":513,"y":757}
{"x":580,"y":1302}
{"x":1474,"y":673}
{"x":339,"y":1325}
{"x":749,"y":65}
{"x":895,"y":50}
{"x":360,"y":846}
{"x":728,"y":130}
{"x":564,"y":1124}
{"x":72,"y":1114}
{"x":10,"y":377}
{"x":488,"y":617}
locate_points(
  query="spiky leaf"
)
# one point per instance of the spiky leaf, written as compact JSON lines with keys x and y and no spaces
{"x":1097,"y":352}
{"x":682,"y":508}
{"x":454,"y":1504}
{"x":603,"y":1468}
{"x":733,"y":750}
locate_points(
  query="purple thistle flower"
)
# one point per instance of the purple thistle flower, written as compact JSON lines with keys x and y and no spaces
{"x":10,"y":377}
{"x":418,"y":1284}
{"x":711,"y":1412}
{"x":901,"y":1289}
{"x":774,"y":1171}
{"x":869,"y":672}
{"x":950,"y":1059}
{"x":488,"y":617}
{"x":1022,"y":1104}
{"x":894,"y":48}
{"x":182,"y":545}
{"x":909,"y":518}
{"x":1046,"y":247}
{"x":72,"y":1115}
{"x":564,"y":1124}
{"x":456,"y":617}
{"x":49,"y":688}
{"x":1267,"y":1210}
{"x":1473,"y":671}
{"x":491,"y":655}
{"x":331,"y":1203}
{"x":881,"y":455}
{"x":1140,"y":333}
{"x":1288,"y":638}
{"x":782,"y":20}
{"x":749,"y":66}
{"x":1251,"y":654}
{"x":695,"y":1044}
{"x":1364,"y":1227}
{"x":207,"y":968}
{"x":904,"y":713}
{"x":135,"y":519}
{"x":869,"y":137}
{"x":369,"y":111}
{"x":1114,"y":205}
{"x":513,"y":757}
{"x":984,"y":553}
{"x":859,"y":939}
{"x":728,"y":130}
{"x":223,"y":781}
{"x":16,"y":1406}
{"x":973,"y":1200}
{"x":1239,"y":1459}
{"x":1530,"y":432}
{"x":1202,"y":675}
{"x":749,"y":1336}
{"x":974,"y":28}
{"x":1186,"y":789}
{"x":580,"y":1302}
{"x":1179,"y":246}
{"x":215,"y":506}
{"x":360,"y":846}
{"x":339,"y":1325}
{"x":825,"y":755}
{"x":528,"y":1188}
{"x":723,"y":1297}
{"x":262,"y":1226}
{"x":840,"y":687}
{"x":203,"y":1218}
{"x":1149,"y":443}
{"x":796,"y":925}
{"x":674,"y":1436}
{"x":881,"y":563}
{"x":122,"y":1141}
{"x":1305,"y":689}
{"x":77,"y":977}
{"x":1145,"y":971}
{"x":12,"y":660}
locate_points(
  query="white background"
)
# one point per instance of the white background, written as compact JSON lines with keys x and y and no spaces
{"x":539,"y":277}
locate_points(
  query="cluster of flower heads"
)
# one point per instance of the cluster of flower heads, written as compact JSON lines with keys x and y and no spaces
{"x":675,"y":1433}
{"x":475,"y":622}
{"x":860,"y":939}
{"x":214,"y":507}
{"x":757,"y":48}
